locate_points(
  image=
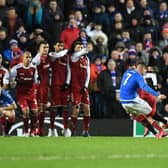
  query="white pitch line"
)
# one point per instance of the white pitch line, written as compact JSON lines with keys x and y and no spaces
{"x":91,"y":157}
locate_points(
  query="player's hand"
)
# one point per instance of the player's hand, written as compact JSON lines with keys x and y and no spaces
{"x":84,"y":89}
{"x":65,"y":87}
{"x":162,"y":97}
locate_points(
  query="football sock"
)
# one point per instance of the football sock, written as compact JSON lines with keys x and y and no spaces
{"x":155,"y":125}
{"x":73,"y":124}
{"x":149,"y":126}
{"x":86,"y":121}
{"x":52,"y":119}
{"x":33,"y":124}
{"x":65,"y":119}
{"x":41,"y":120}
{"x":159,"y":118}
{"x":26,"y":124}
{"x":8,"y":126}
{"x":3,"y":125}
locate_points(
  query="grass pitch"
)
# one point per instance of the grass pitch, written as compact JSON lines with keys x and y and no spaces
{"x":80,"y":152}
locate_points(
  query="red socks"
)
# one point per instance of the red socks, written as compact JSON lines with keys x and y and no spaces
{"x":65,"y":119}
{"x":86,"y":122}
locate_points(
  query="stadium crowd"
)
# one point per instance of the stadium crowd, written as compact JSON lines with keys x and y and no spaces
{"x":93,"y":41}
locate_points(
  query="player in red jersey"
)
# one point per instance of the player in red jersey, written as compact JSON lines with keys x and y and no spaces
{"x":60,"y":83}
{"x":152,"y":102}
{"x":80,"y":76}
{"x":41,"y":60}
{"x":26,"y":78}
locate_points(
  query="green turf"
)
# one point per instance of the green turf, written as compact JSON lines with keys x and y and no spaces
{"x":79,"y":152}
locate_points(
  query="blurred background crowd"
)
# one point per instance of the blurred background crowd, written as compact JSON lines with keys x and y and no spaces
{"x":116,"y":33}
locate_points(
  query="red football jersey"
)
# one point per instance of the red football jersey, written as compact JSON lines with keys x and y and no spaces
{"x":26,"y":77}
{"x":59,"y":71}
{"x":43,"y":65}
{"x":79,"y":73}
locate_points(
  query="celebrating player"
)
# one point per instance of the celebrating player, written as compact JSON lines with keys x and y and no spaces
{"x":41,"y":60}
{"x":60,"y":82}
{"x":80,"y":76}
{"x":25,"y":75}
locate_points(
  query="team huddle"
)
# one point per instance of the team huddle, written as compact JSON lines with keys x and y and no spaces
{"x":62,"y":75}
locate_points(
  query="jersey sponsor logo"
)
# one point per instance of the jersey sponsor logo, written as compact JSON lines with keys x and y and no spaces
{"x":27,"y":78}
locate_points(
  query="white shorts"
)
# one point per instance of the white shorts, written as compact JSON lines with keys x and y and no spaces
{"x":137,"y":107}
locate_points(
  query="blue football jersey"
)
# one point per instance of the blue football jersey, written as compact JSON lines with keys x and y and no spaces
{"x":130,"y":83}
{"x":6,"y":99}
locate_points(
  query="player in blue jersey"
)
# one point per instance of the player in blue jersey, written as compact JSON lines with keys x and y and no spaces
{"x":131,"y":82}
{"x":7,"y":113}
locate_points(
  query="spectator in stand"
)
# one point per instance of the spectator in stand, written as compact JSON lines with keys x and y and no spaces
{"x":120,"y":63}
{"x":80,"y":6}
{"x":35,"y":38}
{"x":126,"y":38}
{"x":135,"y":30}
{"x":70,"y":33}
{"x":122,"y":50}
{"x":142,"y":55}
{"x":97,"y":106}
{"x":129,"y":10}
{"x":22,"y":37}
{"x":12,"y":21}
{"x":91,"y":51}
{"x":100,"y":17}
{"x":99,"y":39}
{"x":148,"y":24}
{"x":3,"y":9}
{"x":21,"y":30}
{"x":155,"y":57}
{"x":41,"y":60}
{"x":163,"y":43}
{"x":83,"y":37}
{"x":147,"y":41}
{"x":53,"y":21}
{"x":132,"y":57}
{"x":162,"y":14}
{"x":80,"y":76}
{"x":60,"y":92}
{"x":24,"y":77}
{"x":12,"y":55}
{"x":34,"y":15}
{"x":145,"y":5}
{"x":118,"y":18}
{"x":115,"y":35}
{"x":4,"y":39}
{"x":164,"y":82}
{"x":111,"y":10}
{"x":108,"y":82}
{"x":80,"y":19}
